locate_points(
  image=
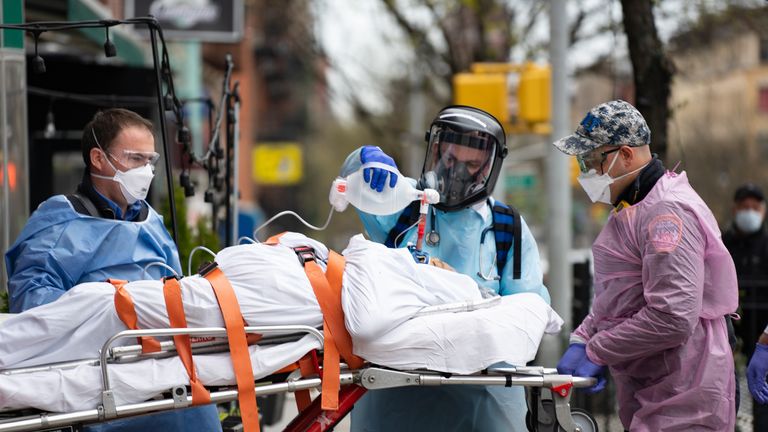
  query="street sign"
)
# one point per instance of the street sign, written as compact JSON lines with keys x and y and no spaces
{"x":277,"y":163}
{"x":525,"y":181}
{"x":199,"y":20}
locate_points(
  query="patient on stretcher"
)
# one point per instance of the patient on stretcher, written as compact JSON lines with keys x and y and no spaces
{"x":383,"y":291}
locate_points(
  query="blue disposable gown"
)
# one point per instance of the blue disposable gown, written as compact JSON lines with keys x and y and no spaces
{"x":449,"y":408}
{"x":60,"y":248}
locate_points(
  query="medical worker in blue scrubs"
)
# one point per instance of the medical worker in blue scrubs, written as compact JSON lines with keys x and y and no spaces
{"x":465,"y":149}
{"x":104,"y":230}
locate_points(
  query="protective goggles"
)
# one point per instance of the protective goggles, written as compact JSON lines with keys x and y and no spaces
{"x":136,"y":159}
{"x":594,"y":161}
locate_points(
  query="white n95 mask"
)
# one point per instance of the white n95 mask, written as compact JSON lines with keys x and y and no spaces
{"x":134,"y":183}
{"x":598,"y":187}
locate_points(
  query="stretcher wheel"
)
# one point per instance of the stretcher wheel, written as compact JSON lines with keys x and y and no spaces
{"x":548,"y":423}
{"x":584,"y":420}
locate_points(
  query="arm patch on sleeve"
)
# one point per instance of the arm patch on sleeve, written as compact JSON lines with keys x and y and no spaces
{"x":665,"y":232}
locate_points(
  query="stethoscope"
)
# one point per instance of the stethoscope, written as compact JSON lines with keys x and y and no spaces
{"x":433,"y":239}
{"x":487,"y":276}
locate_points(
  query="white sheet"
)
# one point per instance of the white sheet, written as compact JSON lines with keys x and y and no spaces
{"x":382,"y":290}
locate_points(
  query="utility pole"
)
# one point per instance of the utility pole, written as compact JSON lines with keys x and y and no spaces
{"x":414,"y":144}
{"x":558,"y":187}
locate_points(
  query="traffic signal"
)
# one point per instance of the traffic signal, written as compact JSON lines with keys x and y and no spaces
{"x":487,"y":91}
{"x":486,"y":88}
{"x":534,"y":93}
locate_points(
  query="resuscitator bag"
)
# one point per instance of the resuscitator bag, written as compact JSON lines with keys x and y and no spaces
{"x":354,"y":190}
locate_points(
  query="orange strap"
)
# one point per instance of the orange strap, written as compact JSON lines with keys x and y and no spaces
{"x":177,"y":318}
{"x":238,"y":348}
{"x":334,"y":273}
{"x":303,"y":400}
{"x":327,"y":289}
{"x":275,"y":239}
{"x":126,"y":311}
{"x":328,"y":292}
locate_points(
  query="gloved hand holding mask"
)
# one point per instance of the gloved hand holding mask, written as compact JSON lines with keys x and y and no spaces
{"x":377,"y":177}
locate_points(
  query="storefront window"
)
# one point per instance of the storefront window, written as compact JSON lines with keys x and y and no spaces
{"x":14,"y":186}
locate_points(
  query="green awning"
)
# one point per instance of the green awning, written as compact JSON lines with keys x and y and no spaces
{"x":12,"y":13}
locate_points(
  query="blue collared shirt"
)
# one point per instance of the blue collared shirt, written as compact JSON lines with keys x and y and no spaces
{"x":131,"y":212}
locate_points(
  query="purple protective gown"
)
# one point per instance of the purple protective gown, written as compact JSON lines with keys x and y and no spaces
{"x":663,"y":282}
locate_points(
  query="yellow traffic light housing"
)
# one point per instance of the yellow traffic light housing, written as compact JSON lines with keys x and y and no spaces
{"x":486,"y":88}
{"x":487,"y":91}
{"x":534,"y":94}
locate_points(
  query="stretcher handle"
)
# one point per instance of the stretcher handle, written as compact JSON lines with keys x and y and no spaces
{"x":54,"y":420}
{"x":201,"y":331}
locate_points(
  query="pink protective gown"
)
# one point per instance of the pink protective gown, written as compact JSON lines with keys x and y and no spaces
{"x":663,"y":282}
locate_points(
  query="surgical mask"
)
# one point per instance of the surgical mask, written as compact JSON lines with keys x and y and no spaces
{"x":748,"y":221}
{"x":598,"y":187}
{"x":134,"y":183}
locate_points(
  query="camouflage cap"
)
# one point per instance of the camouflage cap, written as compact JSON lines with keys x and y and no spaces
{"x":611,"y":123}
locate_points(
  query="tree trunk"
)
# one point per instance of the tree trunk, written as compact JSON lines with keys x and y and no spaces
{"x":652,"y":70}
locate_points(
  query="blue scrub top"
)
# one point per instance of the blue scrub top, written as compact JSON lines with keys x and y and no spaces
{"x":453,"y":408}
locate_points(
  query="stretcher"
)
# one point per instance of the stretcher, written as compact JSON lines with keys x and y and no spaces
{"x":547,"y":393}
{"x":292,"y":318}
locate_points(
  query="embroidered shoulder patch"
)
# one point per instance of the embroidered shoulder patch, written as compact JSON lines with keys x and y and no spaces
{"x":665,"y":232}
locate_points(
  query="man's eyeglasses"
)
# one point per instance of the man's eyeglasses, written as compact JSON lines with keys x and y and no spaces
{"x":136,"y":159}
{"x":594,"y":161}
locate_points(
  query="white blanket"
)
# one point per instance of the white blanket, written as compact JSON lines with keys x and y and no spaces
{"x":382,"y":291}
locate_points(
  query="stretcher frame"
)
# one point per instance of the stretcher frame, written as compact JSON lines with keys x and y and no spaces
{"x":354,"y":384}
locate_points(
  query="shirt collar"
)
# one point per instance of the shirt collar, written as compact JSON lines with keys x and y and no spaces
{"x":642,"y":185}
{"x":131,"y":212}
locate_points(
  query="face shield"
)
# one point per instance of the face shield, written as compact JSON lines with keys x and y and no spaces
{"x":459,"y":164}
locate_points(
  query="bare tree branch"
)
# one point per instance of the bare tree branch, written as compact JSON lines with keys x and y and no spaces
{"x":652,"y":69}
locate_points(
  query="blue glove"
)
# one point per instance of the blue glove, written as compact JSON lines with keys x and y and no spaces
{"x":756,"y":371}
{"x":587,"y":369}
{"x":377,"y":177}
{"x":575,"y":353}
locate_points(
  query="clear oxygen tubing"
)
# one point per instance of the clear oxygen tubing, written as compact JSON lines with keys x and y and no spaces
{"x":405,"y":231}
{"x":161,"y":264}
{"x":289,"y":212}
{"x":243,"y":239}
{"x":192,"y":254}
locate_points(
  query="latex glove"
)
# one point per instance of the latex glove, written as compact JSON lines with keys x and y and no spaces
{"x":377,"y":177}
{"x":571,"y":359}
{"x":588,"y":369}
{"x":756,"y":371}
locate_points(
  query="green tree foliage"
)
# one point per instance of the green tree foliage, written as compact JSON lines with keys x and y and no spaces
{"x":3,"y":301}
{"x":190,"y":237}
